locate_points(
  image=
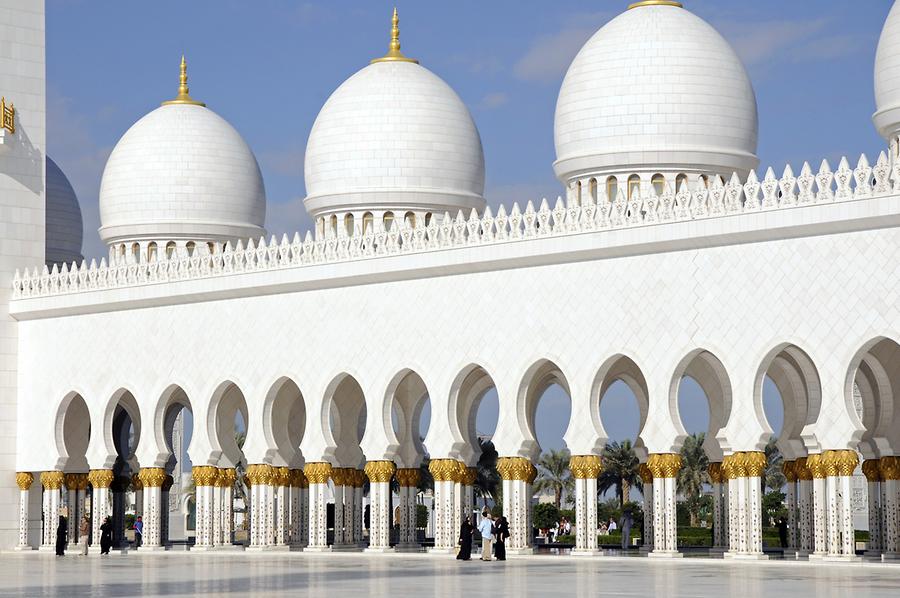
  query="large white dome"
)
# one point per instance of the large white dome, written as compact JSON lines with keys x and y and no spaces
{"x":181,"y":172}
{"x":62,"y":217}
{"x":394,"y":136}
{"x":655,"y":88}
{"x":887,"y":77}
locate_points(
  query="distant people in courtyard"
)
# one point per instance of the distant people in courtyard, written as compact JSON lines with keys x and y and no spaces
{"x":465,"y":540}
{"x":62,"y":536}
{"x":501,"y":533}
{"x":106,"y":536}
{"x":84,"y":531}
{"x":611,"y":526}
{"x":138,"y":531}
{"x":567,"y":527}
{"x":486,"y":528}
{"x":553,"y":532}
{"x":782,"y":532}
{"x":625,"y":524}
{"x":603,"y":530}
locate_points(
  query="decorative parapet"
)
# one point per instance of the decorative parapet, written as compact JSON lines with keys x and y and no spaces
{"x":719,"y":199}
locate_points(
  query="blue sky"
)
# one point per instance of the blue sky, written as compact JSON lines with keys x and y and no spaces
{"x":268,"y":66}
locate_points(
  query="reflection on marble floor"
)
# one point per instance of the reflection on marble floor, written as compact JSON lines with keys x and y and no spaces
{"x":272,"y":575}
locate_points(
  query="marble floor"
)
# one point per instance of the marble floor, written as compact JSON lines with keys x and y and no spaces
{"x":376,"y":576}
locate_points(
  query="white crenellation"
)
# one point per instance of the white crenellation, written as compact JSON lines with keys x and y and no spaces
{"x":160,"y":261}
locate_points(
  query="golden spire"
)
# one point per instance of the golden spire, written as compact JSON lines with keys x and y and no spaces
{"x":183,"y":97}
{"x":656,"y":3}
{"x":394,"y":54}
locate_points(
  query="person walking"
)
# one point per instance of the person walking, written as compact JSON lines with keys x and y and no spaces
{"x":486,"y":528}
{"x":782,"y":532}
{"x":465,"y":540}
{"x":611,"y":527}
{"x":138,"y":532}
{"x":106,"y":536}
{"x":84,"y":531}
{"x":501,"y":533}
{"x":62,"y":535}
{"x":625,"y":524}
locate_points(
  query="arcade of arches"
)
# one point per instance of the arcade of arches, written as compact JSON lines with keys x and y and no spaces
{"x":288,"y":498}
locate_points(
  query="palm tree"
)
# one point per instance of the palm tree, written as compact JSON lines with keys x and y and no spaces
{"x":620,"y":470}
{"x":554,"y":475}
{"x":487,"y":480}
{"x":773,"y":477}
{"x":693,"y":474}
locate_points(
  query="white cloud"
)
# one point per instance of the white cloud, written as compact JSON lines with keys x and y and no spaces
{"x":493,"y":100}
{"x":287,"y":162}
{"x":550,"y":55}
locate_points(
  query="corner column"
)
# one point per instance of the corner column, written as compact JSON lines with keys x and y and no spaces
{"x":518,"y":474}
{"x":24,"y":479}
{"x":408,"y":479}
{"x":205,"y":480}
{"x":317,"y":474}
{"x":647,"y":482}
{"x":52,"y":482}
{"x":101,"y":502}
{"x":585,"y":469}
{"x":664,"y":467}
{"x":380,"y":474}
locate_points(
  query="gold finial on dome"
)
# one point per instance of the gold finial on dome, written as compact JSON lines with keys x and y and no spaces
{"x":183,"y":96}
{"x":655,"y":3}
{"x":394,"y":54}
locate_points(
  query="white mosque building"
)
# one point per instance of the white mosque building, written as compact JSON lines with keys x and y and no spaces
{"x":670,"y":254}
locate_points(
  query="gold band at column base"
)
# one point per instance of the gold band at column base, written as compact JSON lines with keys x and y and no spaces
{"x":664,"y":465}
{"x":585,"y":467}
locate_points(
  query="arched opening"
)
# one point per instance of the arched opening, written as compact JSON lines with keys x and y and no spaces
{"x":136,"y":252}
{"x":612,"y":188}
{"x":151,"y":252}
{"x":475,"y":411}
{"x":73,"y":430}
{"x":621,"y":403}
{"x":578,"y":192}
{"x":123,"y":434}
{"x":345,"y":410}
{"x":348,"y":224}
{"x":227,"y":425}
{"x":634,"y":187}
{"x":410,"y":416}
{"x":285,"y":423}
{"x":681,"y":182}
{"x":659,"y":184}
{"x":388,"y":221}
{"x":593,"y":190}
{"x":410,"y":219}
{"x":872,"y":379}
{"x":428,"y":216}
{"x":334,"y":225}
{"x":368,"y":220}
{"x":175,"y":423}
{"x":170,"y":249}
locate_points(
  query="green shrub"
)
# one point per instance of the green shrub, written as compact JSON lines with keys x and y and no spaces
{"x":545,"y":515}
{"x":421,"y":516}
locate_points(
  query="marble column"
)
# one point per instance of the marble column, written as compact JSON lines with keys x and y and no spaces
{"x":225,"y":483}
{"x":444,"y":472}
{"x":281,"y":483}
{"x":380,"y":474}
{"x":359,"y":518}
{"x":744,"y":473}
{"x":585,"y":469}
{"x":261,"y":477}
{"x":518,"y":475}
{"x":889,"y":468}
{"x":101,"y":502}
{"x":317,"y":474}
{"x":467,"y":476}
{"x":790,"y":505}
{"x":819,"y":505}
{"x":664,"y":467}
{"x":70,"y":482}
{"x":408,"y":480}
{"x":165,"y":513}
{"x":299,"y":509}
{"x":647,"y":491}
{"x":871,"y":469}
{"x":52,"y":482}
{"x":716,"y":478}
{"x":805,"y":532}
{"x":342,"y":481}
{"x":24,"y":479}
{"x":205,"y":481}
{"x":152,"y":479}
{"x":839,"y":467}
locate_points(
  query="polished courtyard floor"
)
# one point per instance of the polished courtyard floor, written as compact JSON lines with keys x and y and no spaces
{"x":377,"y":576}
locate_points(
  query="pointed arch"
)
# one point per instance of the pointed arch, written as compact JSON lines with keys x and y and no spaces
{"x":709,"y":373}
{"x":405,"y":398}
{"x":72,"y":432}
{"x":284,"y":422}
{"x":542,"y":374}
{"x":343,"y":419}
{"x":466,"y":392}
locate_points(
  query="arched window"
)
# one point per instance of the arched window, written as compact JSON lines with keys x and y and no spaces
{"x":592,"y":186}
{"x":151,"y":252}
{"x":634,"y":186}
{"x":704,"y":180}
{"x":367,"y":222}
{"x":681,"y":182}
{"x":136,"y":251}
{"x":659,"y":183}
{"x":427,"y":218}
{"x":388,"y":221}
{"x":612,"y":188}
{"x":170,"y":249}
{"x":334,"y":225}
{"x":320,"y":227}
{"x":348,"y":224}
{"x":410,"y":219}
{"x":190,"y":248}
{"x":578,"y":192}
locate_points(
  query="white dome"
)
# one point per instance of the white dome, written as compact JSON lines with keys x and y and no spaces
{"x":655,"y":88}
{"x":887,"y":77}
{"x":62,"y":218}
{"x":181,"y":172}
{"x":394,"y":136}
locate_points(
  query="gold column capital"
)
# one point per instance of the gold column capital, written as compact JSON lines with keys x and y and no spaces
{"x":205,"y":475}
{"x":152,"y":477}
{"x":318,"y":472}
{"x":298,"y":480}
{"x":801,"y":468}
{"x":754,"y":463}
{"x":443,"y":470}
{"x":408,"y":477}
{"x":226,"y":478}
{"x":100,"y":478}
{"x":281,"y":476}
{"x":716,"y":475}
{"x":380,"y":471}
{"x":52,"y":480}
{"x":24,"y":479}
{"x":585,"y":467}
{"x":516,"y":468}
{"x":664,"y":465}
{"x":260,"y":474}
{"x":889,"y":467}
{"x":816,"y":464}
{"x":789,"y":471}
{"x":841,"y":462}
{"x":645,"y":473}
{"x":468,"y":476}
{"x":871,"y":468}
